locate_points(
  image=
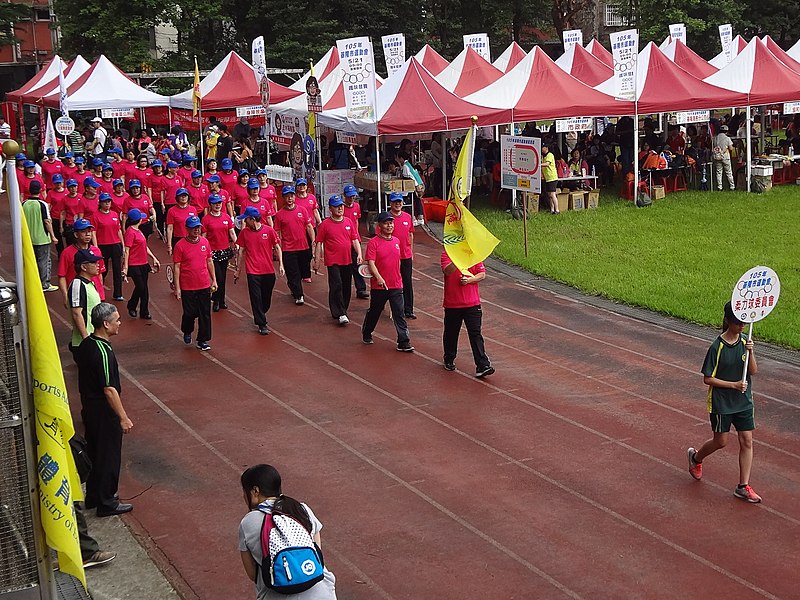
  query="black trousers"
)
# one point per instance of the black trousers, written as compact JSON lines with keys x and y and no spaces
{"x":406,"y":269}
{"x":221,"y":271}
{"x":161,"y":217}
{"x":377,"y":300}
{"x":305,"y":264}
{"x":88,"y":544}
{"x":104,"y":447}
{"x":197,"y":305}
{"x":59,"y":235}
{"x":358,"y":280}
{"x":339,"y":289}
{"x":293,"y":261}
{"x":471,"y":317}
{"x":140,"y":296}
{"x":112,"y":254}
{"x":260,"y":289}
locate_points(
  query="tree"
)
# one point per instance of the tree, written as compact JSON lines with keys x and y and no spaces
{"x":11,"y":12}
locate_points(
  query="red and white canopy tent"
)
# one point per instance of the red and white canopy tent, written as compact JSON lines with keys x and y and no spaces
{"x":468,"y":73}
{"x":584,"y":66}
{"x":794,"y":51}
{"x":72,"y":72}
{"x":510,"y":57}
{"x":599,"y":52}
{"x":522,"y":92}
{"x":737,"y":45}
{"x":322,"y":68}
{"x":688,"y":60}
{"x":431,"y":60}
{"x":781,"y":54}
{"x":47,"y":74}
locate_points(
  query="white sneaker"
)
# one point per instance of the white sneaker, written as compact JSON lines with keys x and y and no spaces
{"x":343,"y":320}
{"x":300,"y":301}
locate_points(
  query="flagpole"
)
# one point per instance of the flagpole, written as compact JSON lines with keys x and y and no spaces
{"x":378,"y":165}
{"x":202,"y":157}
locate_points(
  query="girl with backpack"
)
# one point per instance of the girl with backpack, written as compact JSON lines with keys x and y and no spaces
{"x":261,"y":485}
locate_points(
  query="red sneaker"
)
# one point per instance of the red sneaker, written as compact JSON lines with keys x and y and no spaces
{"x":747,"y":493}
{"x":695,"y":468}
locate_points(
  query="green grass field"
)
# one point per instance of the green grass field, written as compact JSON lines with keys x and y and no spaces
{"x":681,"y":256}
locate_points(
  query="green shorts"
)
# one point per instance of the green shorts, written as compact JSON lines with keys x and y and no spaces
{"x":741,"y":421}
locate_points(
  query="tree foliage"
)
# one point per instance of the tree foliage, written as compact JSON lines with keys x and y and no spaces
{"x":11,"y":12}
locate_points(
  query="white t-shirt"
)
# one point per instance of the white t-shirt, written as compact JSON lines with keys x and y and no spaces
{"x":250,"y":541}
{"x":100,"y":134}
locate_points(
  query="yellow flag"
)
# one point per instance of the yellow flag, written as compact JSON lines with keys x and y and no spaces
{"x":59,"y":484}
{"x":466,"y":241}
{"x":196,"y":97}
{"x":312,"y":116}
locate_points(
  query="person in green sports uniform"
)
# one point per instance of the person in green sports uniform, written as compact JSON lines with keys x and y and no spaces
{"x":730,"y":401}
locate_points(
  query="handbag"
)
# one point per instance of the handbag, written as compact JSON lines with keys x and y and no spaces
{"x":80,"y":455}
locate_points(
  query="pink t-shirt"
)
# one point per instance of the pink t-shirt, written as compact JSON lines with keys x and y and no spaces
{"x":198,"y":196}
{"x":177,"y":218}
{"x":156,"y":186}
{"x":142,"y":202}
{"x":80,"y":178}
{"x":193,"y":259}
{"x":258,"y":246}
{"x":107,"y":227}
{"x":338,"y":240}
{"x":292,"y":226}
{"x":49,"y":169}
{"x":403,"y":226}
{"x":353,"y":213}
{"x":68,"y":172}
{"x":143,"y":175}
{"x":239,"y":195}
{"x":89,"y":206}
{"x":228,"y":180}
{"x":217,"y":229}
{"x":56,"y":200}
{"x":309,"y":203}
{"x":66,"y":267}
{"x":71,"y":205}
{"x":118,"y":202}
{"x":130,"y":170}
{"x":119,"y":169}
{"x":268,"y":194}
{"x":106,"y":185}
{"x":25,"y":185}
{"x":170,"y":186}
{"x":386,"y":254}
{"x":135,"y":240}
{"x":264,"y":206}
{"x":455,"y":294}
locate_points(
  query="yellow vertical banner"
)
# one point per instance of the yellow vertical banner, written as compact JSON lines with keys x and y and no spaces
{"x":466,"y":241}
{"x":59,"y":484}
{"x":312,"y":116}
{"x":196,"y":96}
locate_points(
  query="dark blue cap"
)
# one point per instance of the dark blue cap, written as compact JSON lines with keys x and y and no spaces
{"x":252,"y":184}
{"x":214,"y":199}
{"x":192,"y":222}
{"x":104,"y":197}
{"x":82,"y":224}
{"x":385,"y":216}
{"x":350,"y":190}
{"x":287,"y":189}
{"x":335,"y":200}
{"x":181,"y":192}
{"x":250,"y":211}
{"x":135,"y":214}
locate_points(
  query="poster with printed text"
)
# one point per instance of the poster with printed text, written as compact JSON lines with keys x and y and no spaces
{"x":574,"y":124}
{"x":357,"y":62}
{"x":625,"y":51}
{"x":677,"y":31}
{"x":394,"y":52}
{"x":480,"y":43}
{"x":520,"y":163}
{"x":685,"y":117}
{"x":260,"y":63}
{"x":572,"y":37}
{"x":725,"y":40}
{"x":283,"y":127}
{"x":755,"y":294}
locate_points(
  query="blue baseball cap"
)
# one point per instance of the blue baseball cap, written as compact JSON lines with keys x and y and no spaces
{"x":80,"y":160}
{"x":227,"y":163}
{"x":58,"y":178}
{"x":261,"y":172}
{"x":28,"y":164}
{"x":395,"y":197}
{"x":187,"y":158}
{"x":287,"y":189}
{"x":196,"y":173}
{"x":157,"y":163}
{"x":71,"y":182}
{"x":172,"y":164}
{"x":97,"y":162}
{"x":104,"y":197}
{"x":85,"y":255}
{"x":211,"y":158}
{"x":335,"y":200}
{"x":116,"y":150}
{"x":250,"y":212}
{"x":213,"y":179}
{"x":117,"y":182}
{"x":20,"y":156}
{"x":135,"y":214}
{"x":301,"y":181}
{"x":50,"y":152}
{"x":82,"y":225}
{"x":350,"y":190}
{"x":107,"y":167}
{"x":69,"y":155}
{"x":91,"y":182}
{"x":384,"y":216}
{"x":252,"y":184}
{"x":192,"y":222}
{"x":134,"y":183}
{"x":243,"y":172}
{"x":164,"y":151}
{"x":214,"y":199}
{"x":181,"y":192}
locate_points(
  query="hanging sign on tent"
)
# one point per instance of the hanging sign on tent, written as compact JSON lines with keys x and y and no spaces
{"x":572,"y":37}
{"x":394,"y":52}
{"x":64,"y":125}
{"x":250,"y":111}
{"x":346,"y":138}
{"x":357,"y":61}
{"x":284,"y":127}
{"x":755,"y":294}
{"x":685,"y":117}
{"x":118,"y":113}
{"x":791,"y":108}
{"x":625,"y":51}
{"x":480,"y":43}
{"x":677,"y":31}
{"x":573,"y":124}
{"x":726,"y":39}
{"x":520,"y":163}
{"x":259,"y":56}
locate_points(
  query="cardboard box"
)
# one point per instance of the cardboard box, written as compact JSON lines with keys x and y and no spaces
{"x":387,"y":185}
{"x":531,"y":202}
{"x":592,"y":199}
{"x":761,"y":170}
{"x":658,"y":192}
{"x":563,"y":200}
{"x":577,"y":200}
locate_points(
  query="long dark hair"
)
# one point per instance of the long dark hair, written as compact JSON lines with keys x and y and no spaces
{"x":268,"y":481}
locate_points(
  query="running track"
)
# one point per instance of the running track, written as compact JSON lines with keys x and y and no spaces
{"x":563,"y":475}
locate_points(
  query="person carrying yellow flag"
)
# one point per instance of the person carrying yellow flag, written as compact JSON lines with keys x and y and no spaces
{"x":466,"y":241}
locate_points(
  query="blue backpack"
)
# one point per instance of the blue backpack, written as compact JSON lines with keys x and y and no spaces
{"x":292,"y":562}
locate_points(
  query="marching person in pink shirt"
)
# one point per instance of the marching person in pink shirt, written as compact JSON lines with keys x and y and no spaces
{"x":293,"y":226}
{"x":108,"y":232}
{"x":219,"y":230}
{"x":136,"y":266}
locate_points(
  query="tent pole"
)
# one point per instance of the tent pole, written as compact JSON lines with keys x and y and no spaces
{"x":268,"y":130}
{"x":635,"y":151}
{"x":378,"y":166}
{"x":445,"y":156}
{"x":749,"y":147}
{"x":762,"y":147}
{"x":319,"y":168}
